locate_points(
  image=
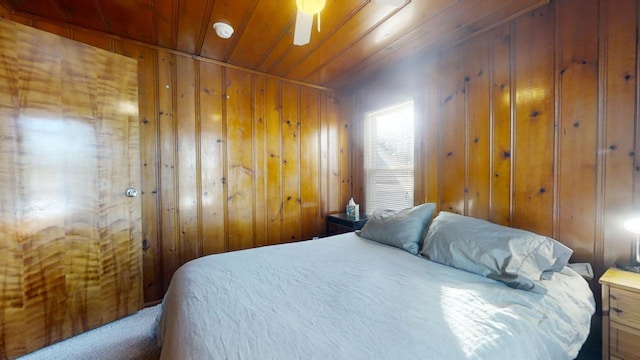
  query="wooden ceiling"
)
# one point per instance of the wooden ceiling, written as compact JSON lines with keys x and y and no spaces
{"x":357,"y":36}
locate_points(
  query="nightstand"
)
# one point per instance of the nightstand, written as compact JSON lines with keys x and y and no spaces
{"x":620,"y":314}
{"x":341,"y":223}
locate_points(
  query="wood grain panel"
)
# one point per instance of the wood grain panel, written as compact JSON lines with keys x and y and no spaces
{"x":259,"y":106}
{"x":167,"y":144}
{"x":500,"y":97}
{"x":345,"y":150}
{"x":240,"y":160}
{"x":213,"y":148}
{"x":274,"y":154}
{"x":430,"y":144}
{"x":357,"y":154}
{"x":310,"y":163}
{"x":577,"y":118}
{"x":12,"y":262}
{"x":291,"y":175}
{"x":131,"y":19}
{"x":188,"y":149}
{"x":452,"y":129}
{"x":620,"y":117}
{"x":42,"y":239}
{"x":43,"y":8}
{"x":335,"y":203}
{"x":325,"y":181}
{"x":52,"y":28}
{"x":83,"y":255}
{"x":166,"y":22}
{"x":193,"y":24}
{"x":478,"y":155}
{"x":7,"y":14}
{"x":534,"y":122}
{"x":84,"y":13}
{"x":92,"y":39}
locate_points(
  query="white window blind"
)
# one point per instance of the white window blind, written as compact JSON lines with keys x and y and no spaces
{"x":388,"y":157}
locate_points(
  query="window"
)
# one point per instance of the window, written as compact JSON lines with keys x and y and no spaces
{"x":388,"y":157}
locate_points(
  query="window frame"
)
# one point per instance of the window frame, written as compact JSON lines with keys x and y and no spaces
{"x":415,"y":169}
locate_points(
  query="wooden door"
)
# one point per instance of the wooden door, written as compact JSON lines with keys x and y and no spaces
{"x":70,"y":240}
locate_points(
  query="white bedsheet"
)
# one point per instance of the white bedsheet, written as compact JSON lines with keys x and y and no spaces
{"x":345,"y":297}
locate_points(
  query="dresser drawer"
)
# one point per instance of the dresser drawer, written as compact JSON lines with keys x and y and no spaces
{"x":624,"y":342}
{"x":624,"y":307}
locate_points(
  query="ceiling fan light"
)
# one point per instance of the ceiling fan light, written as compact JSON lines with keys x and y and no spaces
{"x":311,"y":6}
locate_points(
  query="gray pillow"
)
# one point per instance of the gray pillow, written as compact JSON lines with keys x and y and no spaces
{"x":404,"y":229}
{"x":516,"y":257}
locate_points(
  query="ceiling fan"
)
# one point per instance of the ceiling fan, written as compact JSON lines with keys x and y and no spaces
{"x":308,"y":8}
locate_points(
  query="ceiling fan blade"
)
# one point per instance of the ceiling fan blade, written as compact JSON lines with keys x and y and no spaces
{"x":395,"y":3}
{"x":302,"y":33}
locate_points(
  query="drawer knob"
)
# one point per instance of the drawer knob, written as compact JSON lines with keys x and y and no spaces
{"x":613,"y":297}
{"x":616,"y":310}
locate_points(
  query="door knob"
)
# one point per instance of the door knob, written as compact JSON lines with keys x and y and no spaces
{"x":131,"y":192}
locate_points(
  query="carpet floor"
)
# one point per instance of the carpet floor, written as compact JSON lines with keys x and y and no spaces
{"x":130,"y":338}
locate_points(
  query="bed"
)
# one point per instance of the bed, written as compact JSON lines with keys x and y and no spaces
{"x":350,"y":297}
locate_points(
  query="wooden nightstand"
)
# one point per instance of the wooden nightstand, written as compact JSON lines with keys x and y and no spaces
{"x":341,"y":223}
{"x":620,"y":314}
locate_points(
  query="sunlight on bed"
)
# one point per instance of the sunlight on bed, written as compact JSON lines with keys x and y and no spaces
{"x":464,"y":311}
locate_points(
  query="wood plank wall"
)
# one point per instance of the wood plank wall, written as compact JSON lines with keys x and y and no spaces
{"x":533,"y":124}
{"x":231,"y":159}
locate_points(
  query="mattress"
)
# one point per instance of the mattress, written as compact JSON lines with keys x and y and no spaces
{"x":345,"y":297}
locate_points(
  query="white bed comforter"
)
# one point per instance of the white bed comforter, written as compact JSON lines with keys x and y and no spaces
{"x":345,"y":297}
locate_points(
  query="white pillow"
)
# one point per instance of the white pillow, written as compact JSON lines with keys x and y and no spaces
{"x":404,"y":229}
{"x":516,"y":257}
